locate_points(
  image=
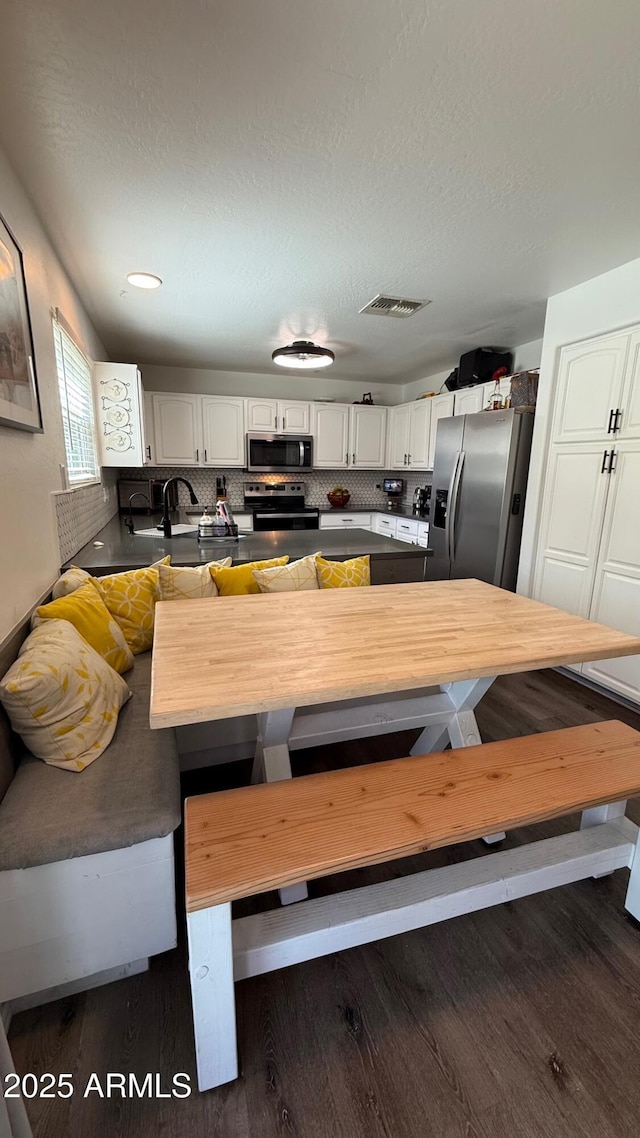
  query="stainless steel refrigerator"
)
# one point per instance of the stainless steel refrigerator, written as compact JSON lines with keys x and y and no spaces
{"x":477,"y":498}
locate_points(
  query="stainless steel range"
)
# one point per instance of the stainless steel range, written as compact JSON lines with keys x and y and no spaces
{"x":279,"y":505}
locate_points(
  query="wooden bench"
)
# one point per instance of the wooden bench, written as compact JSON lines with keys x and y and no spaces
{"x":258,"y":838}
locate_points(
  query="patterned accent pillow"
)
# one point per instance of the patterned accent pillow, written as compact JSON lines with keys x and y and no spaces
{"x":131,"y":599}
{"x":184,"y":583}
{"x":87,"y":612}
{"x":239,"y":580}
{"x":343,"y":574}
{"x":294,"y":577}
{"x":62,"y":697}
{"x":70,"y":580}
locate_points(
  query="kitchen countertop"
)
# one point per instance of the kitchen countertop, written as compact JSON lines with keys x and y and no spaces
{"x":121,"y":551}
{"x":402,"y":512}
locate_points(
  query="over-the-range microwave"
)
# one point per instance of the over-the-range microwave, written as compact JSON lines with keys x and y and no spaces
{"x":287,"y":454}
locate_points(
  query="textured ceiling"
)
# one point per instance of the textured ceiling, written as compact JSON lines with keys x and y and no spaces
{"x":278,"y":162}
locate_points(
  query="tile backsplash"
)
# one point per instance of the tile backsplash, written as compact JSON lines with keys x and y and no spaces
{"x":365,"y":486}
{"x":81,"y":512}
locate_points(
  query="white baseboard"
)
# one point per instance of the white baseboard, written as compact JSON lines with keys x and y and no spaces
{"x":61,"y":991}
{"x":630,"y":704}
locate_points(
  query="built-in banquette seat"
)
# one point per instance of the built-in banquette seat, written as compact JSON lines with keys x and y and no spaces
{"x":86,"y":859}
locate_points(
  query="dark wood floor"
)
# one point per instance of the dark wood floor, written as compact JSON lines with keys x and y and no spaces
{"x":517,"y":1022}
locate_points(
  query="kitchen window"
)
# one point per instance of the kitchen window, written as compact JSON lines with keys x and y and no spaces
{"x":76,"y":402}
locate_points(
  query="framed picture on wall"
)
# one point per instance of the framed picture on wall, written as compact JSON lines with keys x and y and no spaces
{"x":19,"y":401}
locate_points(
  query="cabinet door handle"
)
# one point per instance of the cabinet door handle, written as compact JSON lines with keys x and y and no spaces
{"x":346,"y":459}
{"x":616,"y":417}
{"x":404,"y":461}
{"x":611,"y":427}
{"x":276,"y":422}
{"x":408,"y":460}
{"x":611,"y":467}
{"x":604,"y":462}
{"x":197,"y":455}
{"x":149,"y":452}
{"x":354,"y":458}
{"x":205,"y":454}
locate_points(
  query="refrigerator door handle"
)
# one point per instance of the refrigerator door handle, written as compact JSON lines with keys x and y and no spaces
{"x":449,"y":513}
{"x":453,"y":504}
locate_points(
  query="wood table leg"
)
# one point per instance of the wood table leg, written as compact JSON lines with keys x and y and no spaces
{"x":272,"y":763}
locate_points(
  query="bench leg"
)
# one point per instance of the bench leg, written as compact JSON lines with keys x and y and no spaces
{"x":212,"y":995}
{"x":272,"y":763}
{"x":596,"y":815}
{"x":632,"y":899}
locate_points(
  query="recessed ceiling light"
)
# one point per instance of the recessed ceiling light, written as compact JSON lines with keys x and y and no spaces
{"x":301,"y":354}
{"x":144,"y":280}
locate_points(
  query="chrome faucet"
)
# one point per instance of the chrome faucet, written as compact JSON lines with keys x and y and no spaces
{"x":138,"y":494}
{"x":165,"y":521}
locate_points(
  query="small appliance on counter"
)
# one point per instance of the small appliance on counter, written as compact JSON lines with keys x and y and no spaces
{"x":394,"y":488}
{"x":421,"y":501}
{"x":151,"y":488}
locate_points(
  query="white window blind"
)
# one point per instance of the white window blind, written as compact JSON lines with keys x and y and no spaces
{"x":76,"y":401}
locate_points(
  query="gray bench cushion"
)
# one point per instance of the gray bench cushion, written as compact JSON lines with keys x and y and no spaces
{"x":128,"y":795}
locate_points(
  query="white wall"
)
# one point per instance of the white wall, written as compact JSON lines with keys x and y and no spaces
{"x":526,"y":356}
{"x":30,"y":463}
{"x":606,"y":303}
{"x":208,"y":381}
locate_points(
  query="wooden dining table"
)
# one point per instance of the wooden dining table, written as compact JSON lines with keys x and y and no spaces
{"x":324,"y":666}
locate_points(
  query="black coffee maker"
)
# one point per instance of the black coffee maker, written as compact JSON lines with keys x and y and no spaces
{"x":421,"y":501}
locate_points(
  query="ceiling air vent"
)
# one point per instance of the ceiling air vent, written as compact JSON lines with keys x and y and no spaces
{"x":397,"y":306}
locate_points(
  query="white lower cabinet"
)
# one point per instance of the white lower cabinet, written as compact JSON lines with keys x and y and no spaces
{"x":384,"y":524}
{"x":345,"y":521}
{"x":423,"y":534}
{"x":407,"y":530}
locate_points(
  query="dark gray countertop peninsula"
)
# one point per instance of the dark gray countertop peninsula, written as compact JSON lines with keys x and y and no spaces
{"x":400,"y":512}
{"x":118,"y":550}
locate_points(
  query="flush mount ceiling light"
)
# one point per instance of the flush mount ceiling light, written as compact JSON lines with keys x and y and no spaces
{"x":144,"y":280}
{"x":301,"y":354}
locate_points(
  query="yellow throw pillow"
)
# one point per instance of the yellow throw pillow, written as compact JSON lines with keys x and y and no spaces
{"x":62,"y":697}
{"x":131,"y":599}
{"x":184,"y":582}
{"x":297,"y":576}
{"x":239,"y":580}
{"x":71,"y":580}
{"x":343,"y":574}
{"x":87,"y":612}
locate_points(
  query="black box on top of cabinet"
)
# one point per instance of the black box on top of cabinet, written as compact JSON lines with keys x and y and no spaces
{"x":479,"y":365}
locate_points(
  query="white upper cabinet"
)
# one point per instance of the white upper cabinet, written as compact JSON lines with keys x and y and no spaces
{"x":399,"y":430}
{"x":261,"y":414}
{"x":589,"y":389}
{"x":470,"y":400}
{"x":616,"y":598}
{"x":572,"y":518}
{"x":177,"y":423}
{"x":367,"y":436}
{"x":223,"y":432}
{"x":628,"y":419}
{"x":149,"y":440}
{"x":330,"y":428}
{"x":119,"y":414}
{"x":294,"y":417}
{"x":441,"y":408}
{"x":420,"y":434}
{"x":279,"y":416}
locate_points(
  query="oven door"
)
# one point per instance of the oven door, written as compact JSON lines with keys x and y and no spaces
{"x":287,"y":454}
{"x":264,"y":520}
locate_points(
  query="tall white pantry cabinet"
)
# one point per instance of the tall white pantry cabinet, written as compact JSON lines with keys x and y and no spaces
{"x":588,"y":559}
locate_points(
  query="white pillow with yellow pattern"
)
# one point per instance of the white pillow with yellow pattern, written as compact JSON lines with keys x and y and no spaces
{"x":62,"y":698}
{"x":130,"y":598}
{"x":188,"y":582}
{"x":297,"y":576}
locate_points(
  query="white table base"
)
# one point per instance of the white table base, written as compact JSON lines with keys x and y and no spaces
{"x":445,"y":716}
